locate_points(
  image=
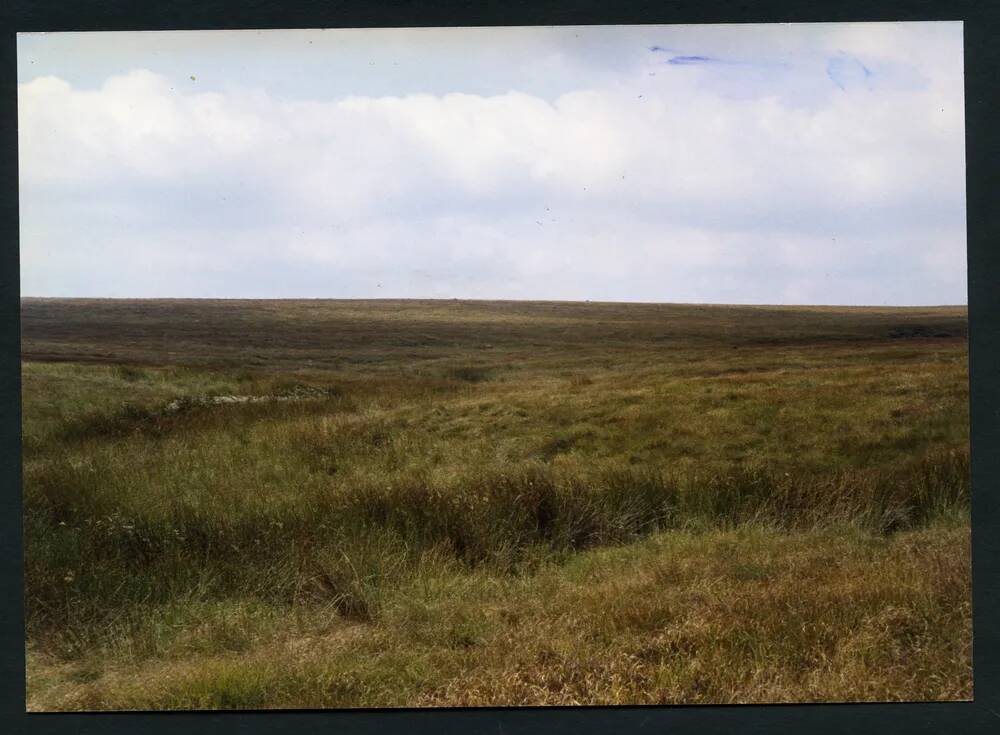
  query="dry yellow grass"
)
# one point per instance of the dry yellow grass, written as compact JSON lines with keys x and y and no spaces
{"x":741,"y":616}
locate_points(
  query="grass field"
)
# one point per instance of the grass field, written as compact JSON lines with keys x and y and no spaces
{"x":249,"y":504}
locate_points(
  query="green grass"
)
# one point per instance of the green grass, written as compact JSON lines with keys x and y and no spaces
{"x":492,"y":503}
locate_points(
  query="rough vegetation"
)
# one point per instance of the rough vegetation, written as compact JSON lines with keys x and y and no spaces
{"x":396,"y":503}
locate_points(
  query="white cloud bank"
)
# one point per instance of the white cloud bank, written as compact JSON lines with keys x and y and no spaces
{"x":832,"y":173}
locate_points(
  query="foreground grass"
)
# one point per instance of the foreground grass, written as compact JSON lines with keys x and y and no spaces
{"x":454,"y":503}
{"x":748,"y":615}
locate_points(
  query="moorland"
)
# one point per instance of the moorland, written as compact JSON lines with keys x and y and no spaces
{"x":322,"y":503}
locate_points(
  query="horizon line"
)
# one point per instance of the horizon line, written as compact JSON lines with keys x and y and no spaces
{"x":488,"y":300}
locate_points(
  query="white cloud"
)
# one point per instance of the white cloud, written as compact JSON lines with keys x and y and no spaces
{"x":652,"y":170}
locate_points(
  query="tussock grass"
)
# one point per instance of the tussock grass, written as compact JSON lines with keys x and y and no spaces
{"x":494,"y":504}
{"x":745,"y":615}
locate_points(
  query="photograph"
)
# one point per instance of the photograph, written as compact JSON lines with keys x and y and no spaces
{"x":500,"y":366}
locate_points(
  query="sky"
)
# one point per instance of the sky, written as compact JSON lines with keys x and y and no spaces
{"x":775,"y":164}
